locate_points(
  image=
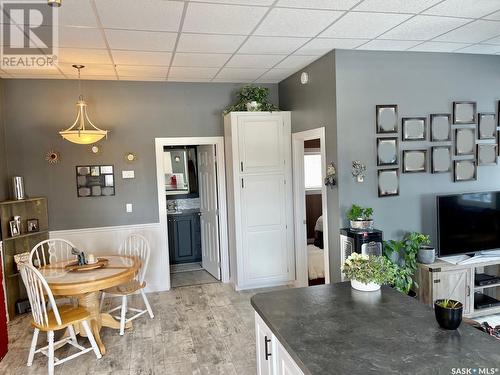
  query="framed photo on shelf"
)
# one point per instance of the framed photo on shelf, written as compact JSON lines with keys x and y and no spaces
{"x":14,"y":228}
{"x":32,"y":225}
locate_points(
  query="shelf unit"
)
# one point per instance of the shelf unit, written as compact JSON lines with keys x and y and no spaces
{"x":456,"y":281}
{"x":32,"y":208}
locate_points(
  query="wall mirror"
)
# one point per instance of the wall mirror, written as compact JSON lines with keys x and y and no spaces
{"x":387,"y":118}
{"x":486,"y":154}
{"x":181,"y":175}
{"x":414,"y":161}
{"x":414,"y":129}
{"x":487,"y":126}
{"x":465,"y":141}
{"x":388,"y":182}
{"x":387,"y":151}
{"x":464,"y":112}
{"x":440,"y":127}
{"x":465,"y":170}
{"x":441,"y":159}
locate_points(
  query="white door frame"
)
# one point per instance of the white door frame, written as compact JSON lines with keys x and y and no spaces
{"x":160,"y":143}
{"x":299,"y":193}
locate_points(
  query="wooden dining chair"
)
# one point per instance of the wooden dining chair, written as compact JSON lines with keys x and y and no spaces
{"x":51,"y":251}
{"x":134,"y":245}
{"x":57,"y":318}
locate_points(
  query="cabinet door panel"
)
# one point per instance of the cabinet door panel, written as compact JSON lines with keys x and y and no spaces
{"x":264,"y":349}
{"x":261,"y":143}
{"x":285,"y":365}
{"x":452,"y":284}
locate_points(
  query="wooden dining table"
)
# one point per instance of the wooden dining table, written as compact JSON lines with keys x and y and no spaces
{"x":86,"y":285}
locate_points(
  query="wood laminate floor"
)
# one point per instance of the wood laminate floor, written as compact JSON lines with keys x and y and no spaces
{"x":203,"y":329}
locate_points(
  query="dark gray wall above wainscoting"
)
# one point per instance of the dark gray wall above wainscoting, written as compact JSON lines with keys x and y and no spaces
{"x":421,"y":84}
{"x":3,"y":159}
{"x":134,"y":112}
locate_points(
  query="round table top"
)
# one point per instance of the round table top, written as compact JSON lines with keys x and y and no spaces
{"x":62,"y":282}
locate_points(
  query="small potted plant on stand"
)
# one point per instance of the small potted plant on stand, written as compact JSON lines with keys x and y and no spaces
{"x":426,"y":254}
{"x":360,"y":218}
{"x":368,"y":273}
{"x":448,"y":313}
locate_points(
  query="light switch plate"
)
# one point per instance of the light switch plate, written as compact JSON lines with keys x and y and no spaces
{"x":128,"y":207}
{"x":128,"y":174}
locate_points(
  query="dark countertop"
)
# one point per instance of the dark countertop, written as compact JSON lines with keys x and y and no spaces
{"x":334,"y":329}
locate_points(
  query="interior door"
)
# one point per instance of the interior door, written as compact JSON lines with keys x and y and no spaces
{"x":209,"y":219}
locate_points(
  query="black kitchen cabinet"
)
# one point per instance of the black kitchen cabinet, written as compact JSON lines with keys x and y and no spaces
{"x":184,"y":237}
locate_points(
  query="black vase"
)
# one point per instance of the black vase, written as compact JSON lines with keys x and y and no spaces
{"x":448,"y":317}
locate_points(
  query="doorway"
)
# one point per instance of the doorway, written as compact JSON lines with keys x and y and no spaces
{"x":310,"y":207}
{"x":192,"y":209}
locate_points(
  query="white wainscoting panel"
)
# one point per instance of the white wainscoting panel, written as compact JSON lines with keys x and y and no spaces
{"x":107,"y":240}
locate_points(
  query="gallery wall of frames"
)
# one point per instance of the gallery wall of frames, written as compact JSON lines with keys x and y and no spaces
{"x":461,"y":142}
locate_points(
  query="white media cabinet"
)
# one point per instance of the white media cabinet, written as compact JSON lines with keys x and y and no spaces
{"x":456,"y":281}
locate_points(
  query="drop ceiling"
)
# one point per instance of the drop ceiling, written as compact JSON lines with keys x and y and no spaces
{"x":254,"y":40}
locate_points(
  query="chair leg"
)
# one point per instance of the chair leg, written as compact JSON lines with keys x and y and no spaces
{"x":91,"y":338}
{"x":146,"y":302}
{"x":123,"y":315}
{"x":102,"y":301}
{"x":50,"y":337}
{"x":33,"y":346}
{"x":71,"y":332}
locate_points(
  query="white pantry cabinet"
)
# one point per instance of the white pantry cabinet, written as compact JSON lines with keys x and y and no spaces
{"x":272,"y":358}
{"x":260,"y":211}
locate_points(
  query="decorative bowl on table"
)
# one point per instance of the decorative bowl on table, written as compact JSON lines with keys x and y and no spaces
{"x":99,"y":263}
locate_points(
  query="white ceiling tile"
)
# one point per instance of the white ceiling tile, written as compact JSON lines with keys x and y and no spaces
{"x":141,"y":58}
{"x":38,"y":71}
{"x":239,"y":2}
{"x":464,"y":8}
{"x":192,"y":72}
{"x":396,"y":6}
{"x":318,"y":4}
{"x":198,"y":80}
{"x":200,"y":59}
{"x":209,"y":43}
{"x":388,"y":45}
{"x":89,"y":70}
{"x":481,"y":48}
{"x":254,"y":61}
{"x":94,"y":77}
{"x":364,"y":25}
{"x":277,"y":45}
{"x":296,"y":22}
{"x":278,"y":74}
{"x":141,"y":40}
{"x":142,"y":71}
{"x":222,"y":19}
{"x":495,"y":16}
{"x":241,"y":73}
{"x":232,"y":80}
{"x":473,"y":32}
{"x":36,"y":76}
{"x":320,"y":46}
{"x":84,"y":56}
{"x":296,"y":62}
{"x":493,"y":40}
{"x":143,"y":79}
{"x":140,"y":15}
{"x":77,"y":13}
{"x":80,"y":37}
{"x":438,"y":47}
{"x":424,"y":27}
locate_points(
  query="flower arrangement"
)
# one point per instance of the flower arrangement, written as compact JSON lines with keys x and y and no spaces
{"x":369,"y":269}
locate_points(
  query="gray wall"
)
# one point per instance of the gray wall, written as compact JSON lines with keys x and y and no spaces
{"x":134,"y":112}
{"x":421,"y":84}
{"x":3,"y":159}
{"x":314,"y":105}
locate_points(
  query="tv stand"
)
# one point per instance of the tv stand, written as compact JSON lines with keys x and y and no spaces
{"x":441,"y":280}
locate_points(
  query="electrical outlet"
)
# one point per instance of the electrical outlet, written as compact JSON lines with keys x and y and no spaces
{"x":128,"y":207}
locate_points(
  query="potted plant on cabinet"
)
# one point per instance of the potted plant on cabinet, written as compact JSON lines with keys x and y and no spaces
{"x":448,"y":313}
{"x":368,"y":273}
{"x":360,"y":218}
{"x":426,"y":254}
{"x":252,"y":98}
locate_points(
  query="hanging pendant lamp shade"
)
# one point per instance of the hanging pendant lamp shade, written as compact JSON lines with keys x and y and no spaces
{"x":83,"y":131}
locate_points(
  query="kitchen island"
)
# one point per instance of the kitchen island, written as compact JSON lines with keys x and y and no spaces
{"x":334,"y":329}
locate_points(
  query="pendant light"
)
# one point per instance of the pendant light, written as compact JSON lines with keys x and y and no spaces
{"x":83,"y":131}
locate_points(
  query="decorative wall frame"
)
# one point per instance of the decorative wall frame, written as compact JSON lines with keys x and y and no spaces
{"x":487,"y":125}
{"x":465,"y":170}
{"x":465,"y":141}
{"x":386,"y":118}
{"x":486,"y":154}
{"x":95,"y":180}
{"x":53,"y":157}
{"x":464,"y":112}
{"x":441,"y":159}
{"x":387,"y":151}
{"x":440,"y":126}
{"x":388,"y":182}
{"x":414,"y":161}
{"x":414,"y":128}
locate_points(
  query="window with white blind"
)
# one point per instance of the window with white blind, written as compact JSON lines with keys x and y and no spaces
{"x":312,"y":171}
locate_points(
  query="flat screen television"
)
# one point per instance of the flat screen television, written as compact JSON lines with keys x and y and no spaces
{"x":468,"y":223}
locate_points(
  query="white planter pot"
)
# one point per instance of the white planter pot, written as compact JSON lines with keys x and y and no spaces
{"x":253,"y":106}
{"x":370,"y":287}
